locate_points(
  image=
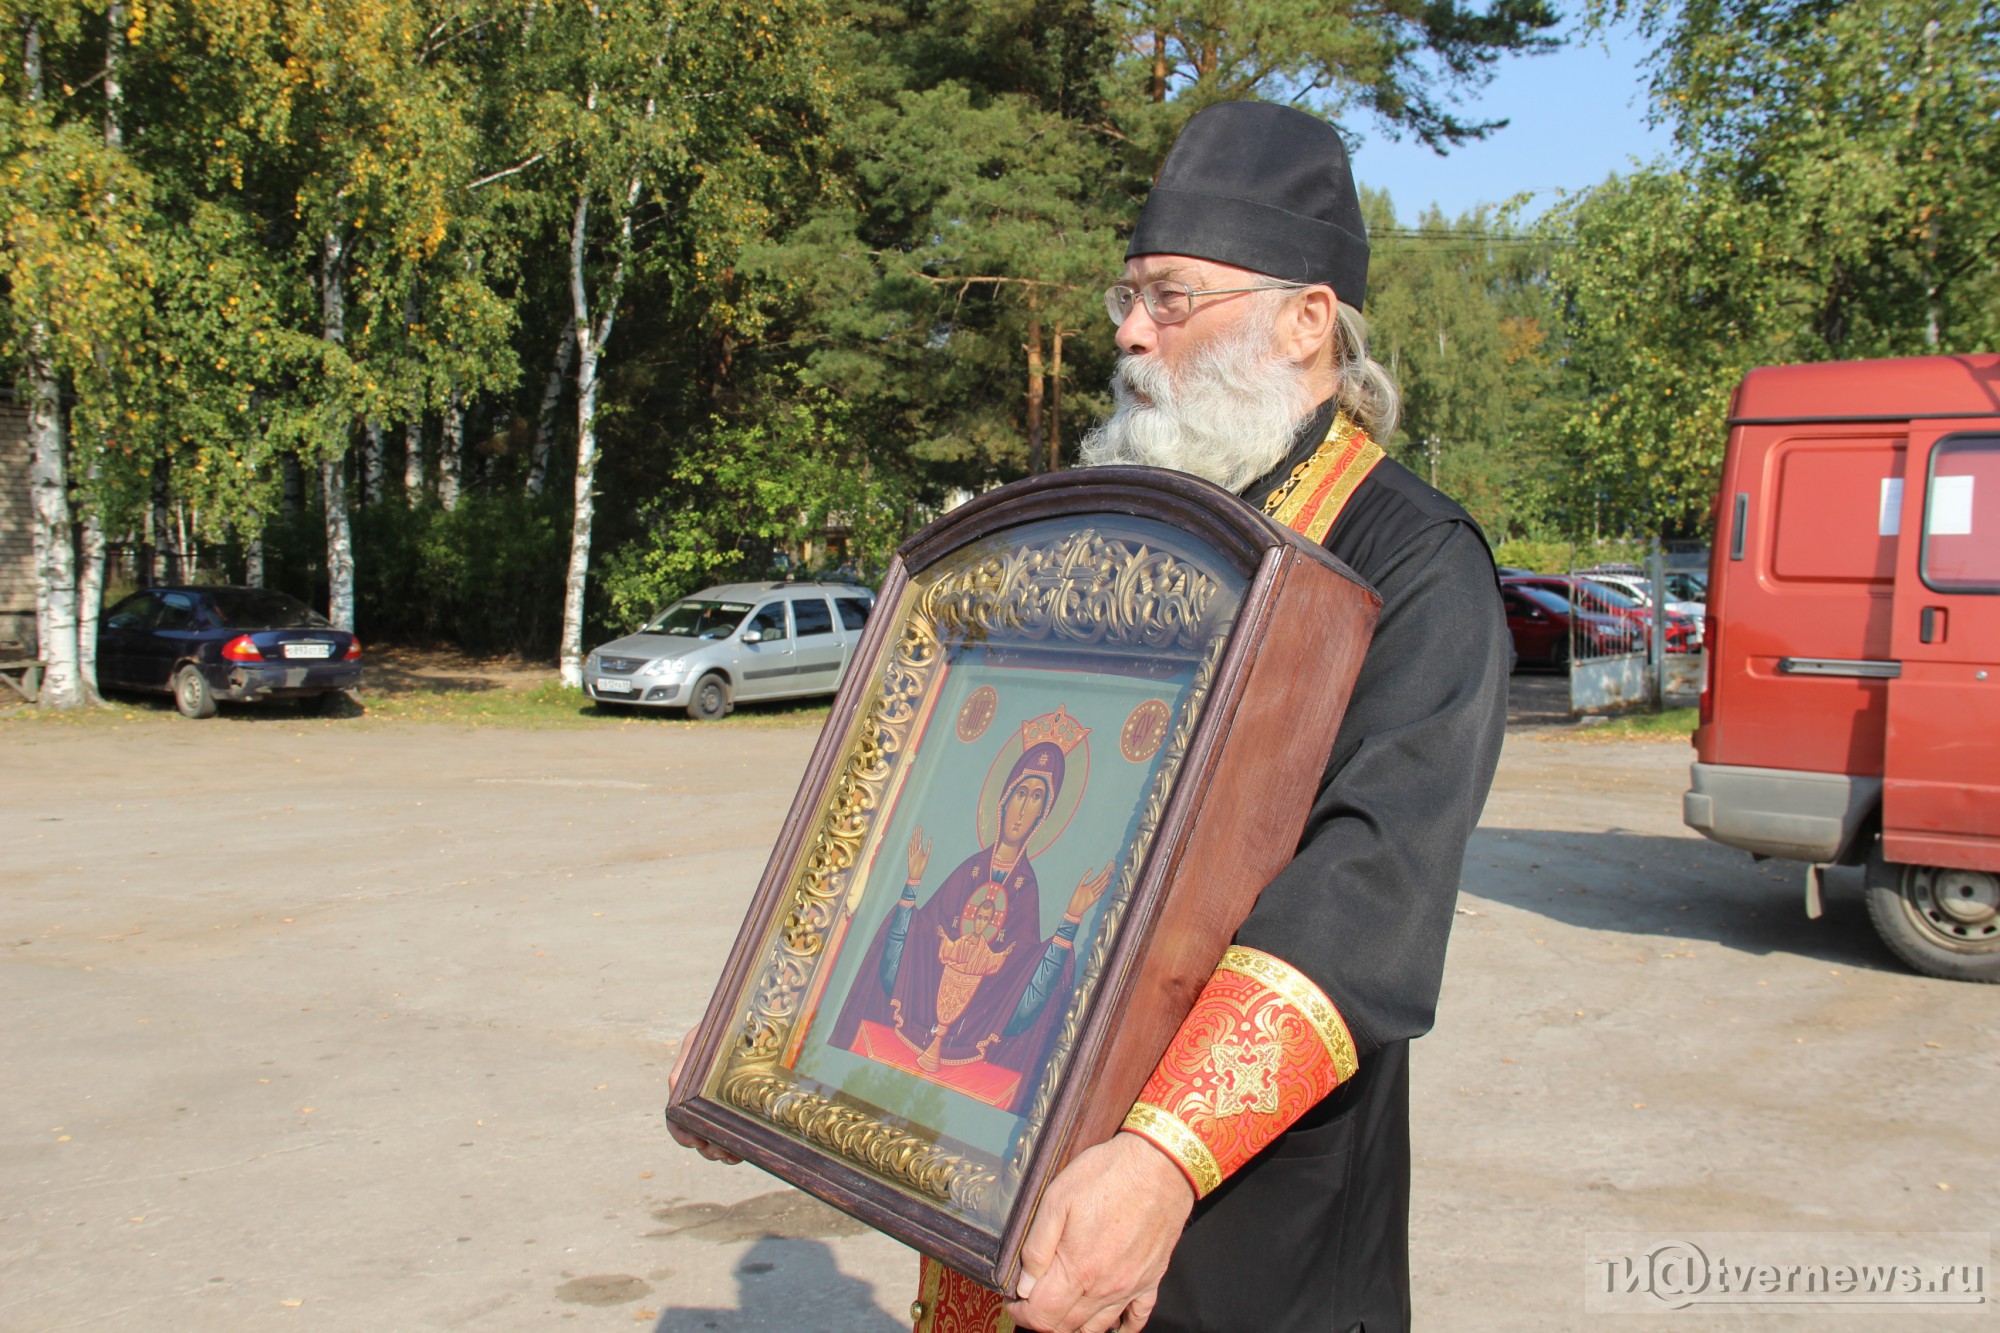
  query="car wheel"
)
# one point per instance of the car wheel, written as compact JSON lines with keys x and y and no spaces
{"x":710,"y":699}
{"x":191,"y":693}
{"x":1942,"y":921}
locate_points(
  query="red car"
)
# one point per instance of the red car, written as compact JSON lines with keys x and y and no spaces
{"x":1541,"y":623}
{"x":1600,"y":600}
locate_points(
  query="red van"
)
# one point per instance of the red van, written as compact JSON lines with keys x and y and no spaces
{"x":1851,"y":713}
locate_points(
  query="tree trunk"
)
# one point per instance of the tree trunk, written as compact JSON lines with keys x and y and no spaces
{"x":55,"y":554}
{"x":1159,"y":89}
{"x":159,"y":566}
{"x":451,"y":451}
{"x":333,"y":462}
{"x":90,"y":598}
{"x":590,"y":343}
{"x":115,"y":24}
{"x":373,"y":468}
{"x":339,"y":546}
{"x":90,"y":584}
{"x":545,"y":428}
{"x":253,"y":561}
{"x":31,"y":59}
{"x":1055,"y":400}
{"x":1035,"y":441}
{"x":413,"y":458}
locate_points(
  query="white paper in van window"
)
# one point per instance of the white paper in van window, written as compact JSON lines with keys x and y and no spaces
{"x":1891,"y":521}
{"x":1951,"y":507}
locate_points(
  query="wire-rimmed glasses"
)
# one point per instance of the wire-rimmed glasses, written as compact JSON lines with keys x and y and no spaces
{"x":1171,"y":302}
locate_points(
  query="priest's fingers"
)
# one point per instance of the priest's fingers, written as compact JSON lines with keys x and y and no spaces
{"x":682,"y":1136}
{"x":1104,"y":1322}
{"x":1053,"y":1304}
{"x":1039,"y":1247}
{"x":1117,"y":1211}
{"x":1139,"y":1313}
{"x":702,"y":1146}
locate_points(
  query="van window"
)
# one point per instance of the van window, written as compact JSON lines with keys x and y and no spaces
{"x":811,"y":616}
{"x":853,"y":611}
{"x":1837,"y":510}
{"x":769,"y":622}
{"x":1962,"y":516}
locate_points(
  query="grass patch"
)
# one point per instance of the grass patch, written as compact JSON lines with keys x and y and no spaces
{"x":554,"y":704}
{"x":1674,"y":724}
{"x":547,"y":706}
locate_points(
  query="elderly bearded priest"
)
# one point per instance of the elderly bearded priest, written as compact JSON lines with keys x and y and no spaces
{"x":1245,"y":362}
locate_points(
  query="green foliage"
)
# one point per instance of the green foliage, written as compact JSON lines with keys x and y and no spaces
{"x":1405,"y":61}
{"x":1554,"y":556}
{"x":486,"y":575}
{"x":854,"y":251}
{"x":1460,"y":313}
{"x":755,"y":492}
{"x":1830,"y":202}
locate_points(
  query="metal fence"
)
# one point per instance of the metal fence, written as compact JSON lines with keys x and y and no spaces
{"x":1625,"y":653}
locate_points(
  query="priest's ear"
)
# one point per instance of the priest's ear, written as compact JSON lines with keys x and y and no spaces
{"x":1308,"y":331}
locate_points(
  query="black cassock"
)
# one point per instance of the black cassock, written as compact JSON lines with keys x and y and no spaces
{"x":1313,"y":1233}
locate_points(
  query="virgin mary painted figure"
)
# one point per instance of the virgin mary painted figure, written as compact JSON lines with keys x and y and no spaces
{"x":963,"y":990}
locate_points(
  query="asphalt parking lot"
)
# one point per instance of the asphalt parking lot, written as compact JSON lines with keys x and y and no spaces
{"x":343,"y":1025}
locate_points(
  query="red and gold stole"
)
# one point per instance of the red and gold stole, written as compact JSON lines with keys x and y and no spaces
{"x":1313,"y":496}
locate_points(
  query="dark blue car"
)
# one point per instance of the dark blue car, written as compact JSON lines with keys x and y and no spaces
{"x":241,"y":644}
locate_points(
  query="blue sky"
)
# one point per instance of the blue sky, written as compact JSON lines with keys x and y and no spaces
{"x":1576,"y":116}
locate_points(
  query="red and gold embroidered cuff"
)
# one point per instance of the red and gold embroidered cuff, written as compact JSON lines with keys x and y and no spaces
{"x":949,"y":1302}
{"x":1260,"y":1047}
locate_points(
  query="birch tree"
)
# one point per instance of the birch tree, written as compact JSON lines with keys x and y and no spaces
{"x":74,"y":264}
{"x":659,"y":129}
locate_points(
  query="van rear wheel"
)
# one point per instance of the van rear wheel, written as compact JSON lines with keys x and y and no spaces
{"x":1942,"y":921}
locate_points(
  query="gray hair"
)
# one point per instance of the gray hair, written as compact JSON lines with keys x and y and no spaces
{"x":1366,"y":392}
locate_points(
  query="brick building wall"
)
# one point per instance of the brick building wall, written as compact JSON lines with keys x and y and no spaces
{"x":17,"y":542}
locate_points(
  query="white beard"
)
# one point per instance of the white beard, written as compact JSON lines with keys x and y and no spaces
{"x":1229,"y":418}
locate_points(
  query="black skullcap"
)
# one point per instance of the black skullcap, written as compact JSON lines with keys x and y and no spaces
{"x":1264,"y":187}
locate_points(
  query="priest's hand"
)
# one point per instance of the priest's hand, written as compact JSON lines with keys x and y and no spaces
{"x":1087,"y":891}
{"x":687,"y":1140}
{"x":919,"y":855}
{"x":1101,"y":1240}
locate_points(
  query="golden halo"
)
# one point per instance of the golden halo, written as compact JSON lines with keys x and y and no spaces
{"x":1075,"y":777}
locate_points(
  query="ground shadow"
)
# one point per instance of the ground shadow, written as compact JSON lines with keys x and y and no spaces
{"x":265,"y":710}
{"x":787,"y":1284}
{"x":775,"y":710}
{"x":1538,"y":697}
{"x":395,"y":678}
{"x":1682,"y":888}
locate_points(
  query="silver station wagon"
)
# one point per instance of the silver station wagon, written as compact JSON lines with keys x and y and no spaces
{"x":738,"y":641}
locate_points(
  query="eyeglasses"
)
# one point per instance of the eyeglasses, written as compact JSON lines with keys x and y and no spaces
{"x":1172,"y":302}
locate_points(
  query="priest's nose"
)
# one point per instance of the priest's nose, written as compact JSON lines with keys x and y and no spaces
{"x":1138,"y":335}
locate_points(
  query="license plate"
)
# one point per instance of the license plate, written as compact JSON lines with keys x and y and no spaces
{"x":614,"y":687}
{"x":308,"y":650}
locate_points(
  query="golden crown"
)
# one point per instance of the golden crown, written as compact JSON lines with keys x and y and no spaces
{"x":1057,"y":728}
